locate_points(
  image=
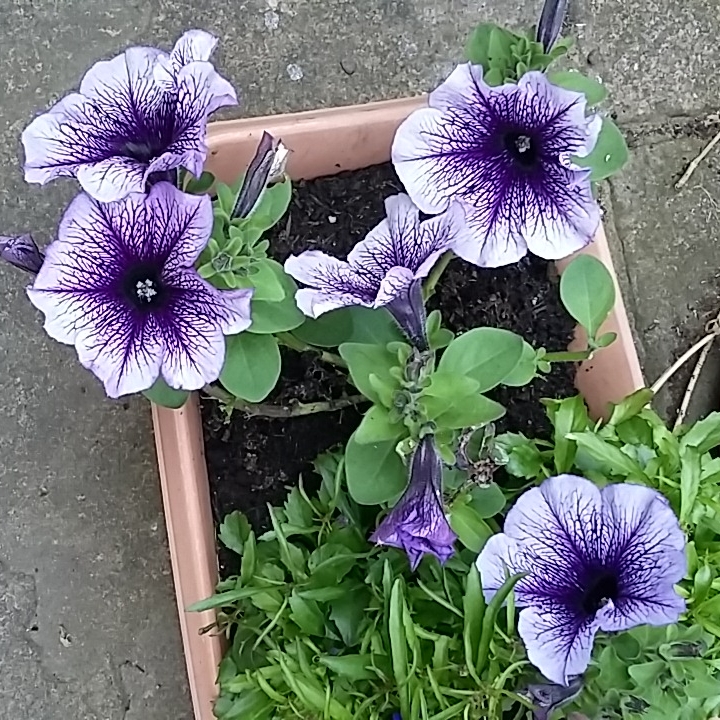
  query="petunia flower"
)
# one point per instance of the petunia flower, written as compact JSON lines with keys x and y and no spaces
{"x":417,"y":523}
{"x":22,"y":252}
{"x":595,"y":560}
{"x":505,"y":154}
{"x":119,"y":283}
{"x":383,"y":270}
{"x":137,"y":116}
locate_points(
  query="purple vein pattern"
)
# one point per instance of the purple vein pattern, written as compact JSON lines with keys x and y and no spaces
{"x":595,"y":560}
{"x":119,"y":283}
{"x":417,"y":523}
{"x":505,"y":154}
{"x":140,"y":114}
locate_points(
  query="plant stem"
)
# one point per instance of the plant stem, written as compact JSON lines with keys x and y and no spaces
{"x":436,"y":273}
{"x":685,"y":404}
{"x":568,"y":356}
{"x":289,"y":340}
{"x":699,"y":345}
{"x":294,"y":409}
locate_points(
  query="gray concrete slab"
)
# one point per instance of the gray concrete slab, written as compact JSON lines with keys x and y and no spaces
{"x":667,"y":240}
{"x":87,"y":621}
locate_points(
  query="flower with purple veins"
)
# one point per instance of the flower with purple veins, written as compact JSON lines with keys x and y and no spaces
{"x":417,"y":523}
{"x":119,"y":283}
{"x":594,"y":560}
{"x":139,"y":116}
{"x":22,"y":252}
{"x":385,"y":269}
{"x":505,"y":154}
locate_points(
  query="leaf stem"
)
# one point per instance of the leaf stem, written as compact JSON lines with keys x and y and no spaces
{"x":292,"y":409}
{"x":568,"y":356}
{"x":289,"y":340}
{"x":436,"y":273}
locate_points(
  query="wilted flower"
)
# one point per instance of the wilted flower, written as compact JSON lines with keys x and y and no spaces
{"x":505,"y":154}
{"x":548,"y":697}
{"x":595,"y":560}
{"x":551,"y":22}
{"x":417,"y":524}
{"x":267,"y":166}
{"x":383,"y":270}
{"x":141,"y":113}
{"x":22,"y":252}
{"x":119,"y":284}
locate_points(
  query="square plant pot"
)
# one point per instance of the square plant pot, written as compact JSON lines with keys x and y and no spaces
{"x":323,"y":142}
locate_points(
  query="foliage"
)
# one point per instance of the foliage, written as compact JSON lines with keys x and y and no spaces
{"x":648,"y":669}
{"x":323,"y":624}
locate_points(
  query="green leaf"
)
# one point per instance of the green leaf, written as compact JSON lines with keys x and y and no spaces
{"x":568,"y":416}
{"x":199,"y":186}
{"x":329,"y":330}
{"x":353,"y":667}
{"x":224,"y":599}
{"x":609,"y":154}
{"x":274,"y":317}
{"x":487,"y":501}
{"x":377,"y":427}
{"x":588,"y":292}
{"x":524,"y":458}
{"x":525,"y":370}
{"x":350,"y":324}
{"x":266,"y":278}
{"x":234,"y":532}
{"x":348,"y":614}
{"x":630,"y":406}
{"x":704,"y":435}
{"x":491,"y":613}
{"x":486,"y":355}
{"x":467,"y":524}
{"x":398,"y":645}
{"x":689,"y":481}
{"x":593,"y":90}
{"x":702,"y":582}
{"x":329,"y":564}
{"x":373,"y":326}
{"x":306,"y":615}
{"x":365,"y":360}
{"x":647,"y":674}
{"x":453,"y":402}
{"x":610,"y":457}
{"x":225,"y":198}
{"x":473,"y":612}
{"x":476,"y":48}
{"x":251,"y":705}
{"x":605,"y":340}
{"x":252,"y":366}
{"x":272,"y":205}
{"x":374,"y":472}
{"x":162,"y":394}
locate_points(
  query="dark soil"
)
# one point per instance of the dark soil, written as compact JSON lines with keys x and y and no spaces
{"x":251,"y":461}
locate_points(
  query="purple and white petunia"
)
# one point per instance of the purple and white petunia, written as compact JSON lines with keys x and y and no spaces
{"x":417,"y":523}
{"x":138,"y":116}
{"x":595,"y":560}
{"x":505,"y":154}
{"x":385,"y":269}
{"x":120,"y":284}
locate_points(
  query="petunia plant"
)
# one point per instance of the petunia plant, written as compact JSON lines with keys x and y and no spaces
{"x":440,"y":570}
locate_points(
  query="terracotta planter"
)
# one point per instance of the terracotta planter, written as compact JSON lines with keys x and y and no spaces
{"x":323,"y":142}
